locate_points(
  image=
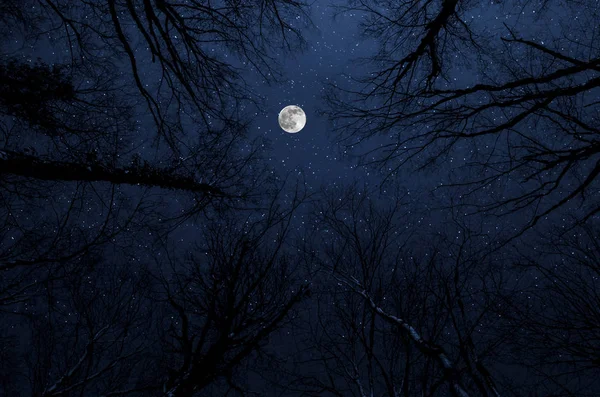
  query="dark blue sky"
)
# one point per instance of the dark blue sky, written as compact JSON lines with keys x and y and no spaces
{"x":332,"y":47}
{"x":428,"y":211}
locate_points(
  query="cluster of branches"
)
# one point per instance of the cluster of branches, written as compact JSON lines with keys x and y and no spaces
{"x":130,"y":273}
{"x":197,"y":51}
{"x":402,"y":312}
{"x":106,"y":321}
{"x":515,"y":103}
{"x":95,"y":294}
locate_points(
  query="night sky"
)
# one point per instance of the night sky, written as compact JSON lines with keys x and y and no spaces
{"x":431,"y":231}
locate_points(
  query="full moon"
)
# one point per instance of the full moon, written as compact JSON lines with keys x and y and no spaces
{"x":292,"y":119}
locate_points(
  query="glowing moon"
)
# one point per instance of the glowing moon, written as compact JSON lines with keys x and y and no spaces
{"x":292,"y":119}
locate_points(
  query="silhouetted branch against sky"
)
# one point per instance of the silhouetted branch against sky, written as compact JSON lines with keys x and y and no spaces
{"x":508,"y":104}
{"x":118,"y":80}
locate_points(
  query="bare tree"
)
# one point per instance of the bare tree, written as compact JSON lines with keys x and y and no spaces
{"x":56,"y":131}
{"x":92,"y":105}
{"x":69,"y":124}
{"x":556,"y":342}
{"x":92,"y":325}
{"x":237,"y":287}
{"x":81,"y":330}
{"x":199,"y":51}
{"x":82,"y":157}
{"x":511,"y":107}
{"x":402,"y":312}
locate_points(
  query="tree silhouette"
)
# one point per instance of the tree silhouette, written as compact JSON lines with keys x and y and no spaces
{"x":145,"y":175}
{"x":29,"y":91}
{"x":148,"y":249}
{"x":84,"y":172}
{"x":557,"y":341}
{"x":79,"y":330}
{"x":198,"y":50}
{"x":403,"y":312}
{"x":235,"y":289}
{"x":514,"y":115}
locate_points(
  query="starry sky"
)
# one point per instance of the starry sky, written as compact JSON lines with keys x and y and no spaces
{"x":331,"y":46}
{"x":335,"y":43}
